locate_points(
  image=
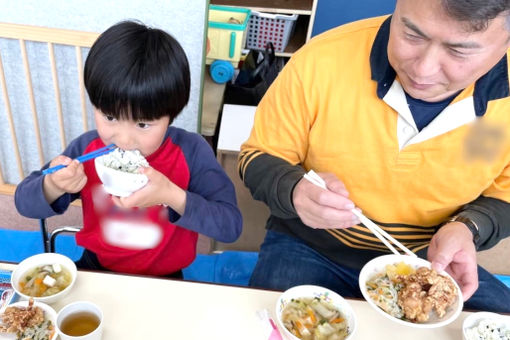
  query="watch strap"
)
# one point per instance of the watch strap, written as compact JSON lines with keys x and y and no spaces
{"x":475,"y":230}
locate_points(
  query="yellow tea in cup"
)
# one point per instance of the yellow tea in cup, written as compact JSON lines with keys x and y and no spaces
{"x":80,"y":320}
{"x":80,"y":323}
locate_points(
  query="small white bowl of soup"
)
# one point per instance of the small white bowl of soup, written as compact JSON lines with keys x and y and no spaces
{"x":405,"y":290}
{"x":312,"y":312}
{"x":44,"y":277}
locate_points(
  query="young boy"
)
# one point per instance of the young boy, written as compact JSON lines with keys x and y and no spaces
{"x":138,"y":81}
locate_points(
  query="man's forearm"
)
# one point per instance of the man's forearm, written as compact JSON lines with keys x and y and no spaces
{"x":271,"y":180}
{"x":492,"y":216}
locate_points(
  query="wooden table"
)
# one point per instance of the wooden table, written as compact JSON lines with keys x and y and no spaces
{"x":149,"y":308}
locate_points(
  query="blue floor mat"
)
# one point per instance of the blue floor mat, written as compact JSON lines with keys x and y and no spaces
{"x":16,"y":245}
{"x":505,"y":279}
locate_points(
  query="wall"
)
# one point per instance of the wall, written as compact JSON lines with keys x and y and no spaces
{"x":184,"y":19}
{"x":332,"y":13}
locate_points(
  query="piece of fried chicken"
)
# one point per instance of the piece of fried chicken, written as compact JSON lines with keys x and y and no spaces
{"x":424,"y":291}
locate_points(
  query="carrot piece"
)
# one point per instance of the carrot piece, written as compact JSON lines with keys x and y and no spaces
{"x":312,"y":315}
{"x":337,"y":320}
{"x":38,"y":281}
{"x":300,"y":327}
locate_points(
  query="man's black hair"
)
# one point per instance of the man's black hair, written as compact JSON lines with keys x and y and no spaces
{"x":477,"y":13}
{"x":136,"y":72}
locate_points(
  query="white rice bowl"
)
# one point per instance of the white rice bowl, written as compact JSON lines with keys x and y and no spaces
{"x":486,"y":326}
{"x":118,"y":171}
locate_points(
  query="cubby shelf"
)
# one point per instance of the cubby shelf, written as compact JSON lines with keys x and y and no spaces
{"x":304,"y":8}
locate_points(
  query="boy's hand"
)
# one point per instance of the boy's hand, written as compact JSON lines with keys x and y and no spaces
{"x":70,"y":179}
{"x":159,"y":190}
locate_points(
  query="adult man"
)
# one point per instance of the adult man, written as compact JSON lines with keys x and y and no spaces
{"x":405,"y":117}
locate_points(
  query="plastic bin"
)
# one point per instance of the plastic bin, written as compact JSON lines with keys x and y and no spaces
{"x":265,"y":27}
{"x":226,"y":33}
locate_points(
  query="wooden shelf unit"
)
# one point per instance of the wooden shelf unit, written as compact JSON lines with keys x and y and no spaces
{"x":271,"y":6}
{"x":303,"y":27}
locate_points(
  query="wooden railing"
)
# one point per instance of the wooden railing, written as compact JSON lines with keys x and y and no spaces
{"x":50,"y":36}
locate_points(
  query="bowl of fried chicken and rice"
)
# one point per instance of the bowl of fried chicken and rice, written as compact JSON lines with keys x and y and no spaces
{"x":406,"y":290}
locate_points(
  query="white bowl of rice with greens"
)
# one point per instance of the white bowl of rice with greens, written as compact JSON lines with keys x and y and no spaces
{"x":486,"y":326}
{"x":118,"y":171}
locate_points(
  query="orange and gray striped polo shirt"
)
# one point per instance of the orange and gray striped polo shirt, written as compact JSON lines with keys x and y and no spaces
{"x":339,"y":107}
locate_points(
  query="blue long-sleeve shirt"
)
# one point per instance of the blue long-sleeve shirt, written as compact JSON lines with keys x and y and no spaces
{"x":188,"y":161}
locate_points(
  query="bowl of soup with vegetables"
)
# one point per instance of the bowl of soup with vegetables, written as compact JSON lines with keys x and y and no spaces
{"x":314,"y":313}
{"x":44,"y":277}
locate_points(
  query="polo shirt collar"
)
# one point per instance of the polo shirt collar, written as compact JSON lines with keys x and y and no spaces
{"x":491,"y":86}
{"x":382,"y":72}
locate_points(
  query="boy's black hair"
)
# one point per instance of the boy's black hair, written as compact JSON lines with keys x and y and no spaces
{"x":136,"y":72}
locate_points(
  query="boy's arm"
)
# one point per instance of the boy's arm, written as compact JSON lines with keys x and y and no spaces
{"x":31,"y":202}
{"x":211,"y":205}
{"x":31,"y":198}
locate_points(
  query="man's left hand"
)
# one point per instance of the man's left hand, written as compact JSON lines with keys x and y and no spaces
{"x":452,"y":249}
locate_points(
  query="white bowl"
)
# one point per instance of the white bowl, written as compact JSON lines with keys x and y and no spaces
{"x":314,"y":291}
{"x":39,"y":260}
{"x":49,"y":314}
{"x":378,"y":264}
{"x":473,"y":320}
{"x":119,"y":183}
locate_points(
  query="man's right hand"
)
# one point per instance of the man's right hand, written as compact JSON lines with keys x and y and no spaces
{"x":324,"y":209}
{"x":70,"y":179}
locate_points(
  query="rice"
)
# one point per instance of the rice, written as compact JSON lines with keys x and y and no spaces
{"x":124,"y":160}
{"x":487,"y":330}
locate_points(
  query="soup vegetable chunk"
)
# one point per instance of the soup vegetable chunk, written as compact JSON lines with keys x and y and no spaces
{"x":314,"y":319}
{"x":45,"y":280}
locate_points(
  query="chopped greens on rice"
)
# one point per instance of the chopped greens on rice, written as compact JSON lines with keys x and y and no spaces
{"x":487,"y":330}
{"x":125,"y":160}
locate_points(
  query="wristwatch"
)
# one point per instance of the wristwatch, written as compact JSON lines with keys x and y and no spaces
{"x":470,"y":224}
